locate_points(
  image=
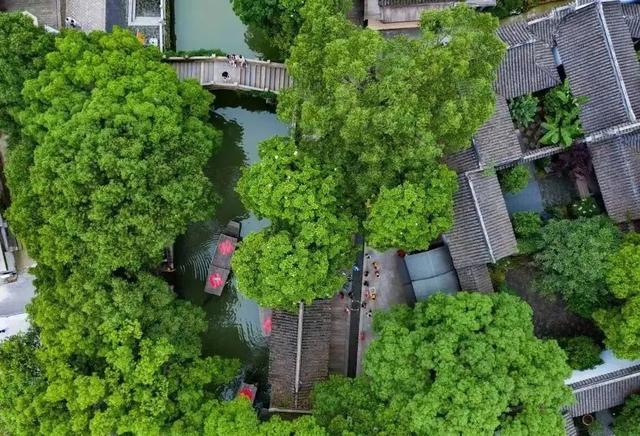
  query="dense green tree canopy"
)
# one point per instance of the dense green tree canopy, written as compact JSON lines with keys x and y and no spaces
{"x":575,"y":259}
{"x":109,"y":171}
{"x":289,"y":186}
{"x":372,"y":120}
{"x":279,"y":269}
{"x":106,"y":172}
{"x":621,"y":322}
{"x":383,"y":109}
{"x":464,"y":364}
{"x":23,"y":48}
{"x":411,"y":215}
{"x":278,"y":21}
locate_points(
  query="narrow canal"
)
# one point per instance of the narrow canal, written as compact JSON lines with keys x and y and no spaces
{"x":234,"y":327}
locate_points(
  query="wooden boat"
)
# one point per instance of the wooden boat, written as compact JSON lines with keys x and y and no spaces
{"x":220,"y":267}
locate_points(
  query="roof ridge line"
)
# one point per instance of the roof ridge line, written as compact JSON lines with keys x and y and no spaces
{"x":614,"y":61}
{"x":476,"y":204}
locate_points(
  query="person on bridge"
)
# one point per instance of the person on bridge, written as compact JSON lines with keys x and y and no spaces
{"x":225,"y":76}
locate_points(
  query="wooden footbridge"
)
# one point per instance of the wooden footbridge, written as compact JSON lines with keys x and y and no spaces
{"x":216,"y":72}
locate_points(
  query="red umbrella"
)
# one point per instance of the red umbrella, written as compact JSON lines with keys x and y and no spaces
{"x":216,"y":280}
{"x":226,"y":247}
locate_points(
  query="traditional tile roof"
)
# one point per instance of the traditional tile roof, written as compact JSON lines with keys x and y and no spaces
{"x":598,"y":57}
{"x":475,"y":278}
{"x":528,"y":65}
{"x":313,"y":356}
{"x":631,"y":12}
{"x":496,"y":142}
{"x":482,"y":231}
{"x":617,"y":165}
{"x":463,"y":161}
{"x":569,"y":426}
{"x":605,"y":391}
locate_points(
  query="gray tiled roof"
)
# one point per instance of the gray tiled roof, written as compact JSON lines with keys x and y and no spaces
{"x":482,"y":231}
{"x":462,"y":161}
{"x":631,"y":12}
{"x":617,"y":165}
{"x":515,"y":33}
{"x":475,"y":278}
{"x":526,"y":68}
{"x":605,"y":391}
{"x":314,"y":358}
{"x":598,"y":57}
{"x":496,"y":142}
{"x":569,"y":426}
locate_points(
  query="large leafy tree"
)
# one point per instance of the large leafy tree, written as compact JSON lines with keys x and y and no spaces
{"x":23,"y":48}
{"x":373,"y":118}
{"x":110,"y":169}
{"x":621,"y":322}
{"x":279,"y":21}
{"x":412,"y":215}
{"x":464,"y":364}
{"x":575,"y":260}
{"x":280,"y":268}
{"x":106,"y":172}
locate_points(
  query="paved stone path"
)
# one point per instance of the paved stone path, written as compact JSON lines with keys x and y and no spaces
{"x":389,"y":291}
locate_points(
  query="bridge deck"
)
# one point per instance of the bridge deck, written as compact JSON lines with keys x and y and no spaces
{"x":254,"y":76}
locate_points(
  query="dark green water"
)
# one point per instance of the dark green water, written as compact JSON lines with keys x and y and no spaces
{"x":234,"y":326}
{"x":213,"y":24}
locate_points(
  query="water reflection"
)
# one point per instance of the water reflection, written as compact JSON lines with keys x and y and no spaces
{"x":234,"y":327}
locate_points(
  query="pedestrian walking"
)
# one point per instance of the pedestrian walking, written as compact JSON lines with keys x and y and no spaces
{"x":341,"y":294}
{"x":225,"y":76}
{"x":377,"y":274}
{"x":376,"y":265}
{"x":356,"y":268}
{"x":364,"y":305}
{"x":369,"y":313}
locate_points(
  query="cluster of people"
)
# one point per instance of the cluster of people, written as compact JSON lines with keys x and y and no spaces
{"x":368,"y":293}
{"x":236,"y":60}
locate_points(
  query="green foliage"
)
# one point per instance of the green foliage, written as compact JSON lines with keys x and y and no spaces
{"x":524,"y":109}
{"x":562,"y":123}
{"x":23,"y":48}
{"x":238,"y":418}
{"x":514,"y":179}
{"x":278,"y":20}
{"x":452,"y":365}
{"x":289,"y":186}
{"x":279,"y":269}
{"x":627,"y":422}
{"x":410,"y":216}
{"x":108,"y":171}
{"x":575,"y":260}
{"x":621,"y":323}
{"x":527,"y":227}
{"x":506,"y":8}
{"x":582,"y":352}
{"x":372,"y":119}
{"x":384,"y":109}
{"x":585,"y":207}
{"x":105,"y":121}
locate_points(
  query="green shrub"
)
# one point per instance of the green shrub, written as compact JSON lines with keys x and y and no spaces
{"x":527,"y":226}
{"x":523,"y":109}
{"x":586,"y":208}
{"x":574,"y":261}
{"x":627,"y":422}
{"x":582,"y":352}
{"x":514,"y":179}
{"x":562,"y":123}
